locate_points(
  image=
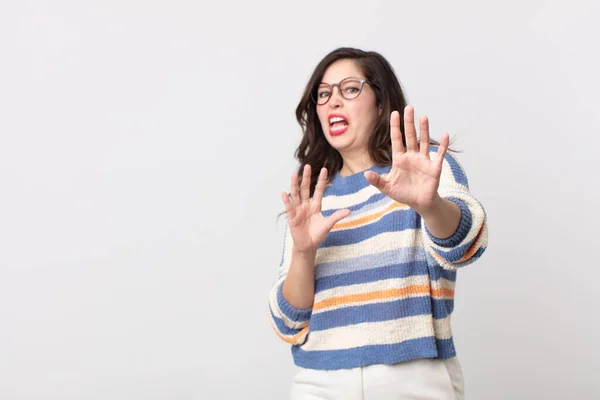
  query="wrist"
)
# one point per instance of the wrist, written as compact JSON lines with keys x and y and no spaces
{"x":430,"y":209}
{"x":304,"y":254}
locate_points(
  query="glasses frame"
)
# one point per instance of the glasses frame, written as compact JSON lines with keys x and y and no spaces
{"x":315,"y":94}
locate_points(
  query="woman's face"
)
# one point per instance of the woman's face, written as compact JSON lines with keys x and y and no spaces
{"x":359,"y":114}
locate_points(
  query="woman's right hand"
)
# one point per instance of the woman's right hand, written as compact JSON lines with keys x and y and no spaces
{"x":308,"y":226}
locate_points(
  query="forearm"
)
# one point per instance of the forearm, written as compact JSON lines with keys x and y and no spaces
{"x":299,"y":285}
{"x":454,"y":227}
{"x":442,"y":218}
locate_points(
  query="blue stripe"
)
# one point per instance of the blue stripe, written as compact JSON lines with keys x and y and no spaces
{"x":478,"y":253}
{"x":436,"y":273}
{"x":404,"y":270}
{"x":376,"y":312}
{"x":442,"y":308}
{"x":427,"y":347}
{"x":394,"y":221}
{"x":371,"y":261}
{"x":445,"y":348}
{"x":344,"y":185}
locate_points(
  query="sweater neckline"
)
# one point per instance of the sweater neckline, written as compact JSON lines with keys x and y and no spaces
{"x":358,"y":178}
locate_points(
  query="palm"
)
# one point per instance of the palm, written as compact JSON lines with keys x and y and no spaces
{"x":414,"y":177}
{"x":413,"y":180}
{"x":308,"y":226}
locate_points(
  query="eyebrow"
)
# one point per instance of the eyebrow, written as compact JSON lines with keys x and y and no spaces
{"x":354,"y":77}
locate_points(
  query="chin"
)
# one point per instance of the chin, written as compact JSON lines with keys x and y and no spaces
{"x":339,"y":145}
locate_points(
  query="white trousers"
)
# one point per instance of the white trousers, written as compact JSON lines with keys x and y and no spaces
{"x":422,"y":379}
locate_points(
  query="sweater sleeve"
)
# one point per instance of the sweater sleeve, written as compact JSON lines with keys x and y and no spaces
{"x":469,"y":241}
{"x":289,"y":323}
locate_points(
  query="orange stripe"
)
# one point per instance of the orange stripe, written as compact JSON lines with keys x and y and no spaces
{"x":473,"y":249}
{"x":379,"y":295}
{"x":367,"y":218}
{"x":441,"y":293}
{"x":289,"y":339}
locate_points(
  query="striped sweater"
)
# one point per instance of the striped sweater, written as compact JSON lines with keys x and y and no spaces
{"x":384,"y":285}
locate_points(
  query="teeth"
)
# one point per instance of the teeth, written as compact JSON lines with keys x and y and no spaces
{"x":336,"y":119}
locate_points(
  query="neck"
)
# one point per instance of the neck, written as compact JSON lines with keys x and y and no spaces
{"x":354,"y":163}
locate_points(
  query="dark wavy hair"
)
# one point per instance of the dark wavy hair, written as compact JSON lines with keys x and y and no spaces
{"x":314,"y":149}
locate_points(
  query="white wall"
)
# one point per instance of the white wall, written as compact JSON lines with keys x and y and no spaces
{"x":144,"y":146}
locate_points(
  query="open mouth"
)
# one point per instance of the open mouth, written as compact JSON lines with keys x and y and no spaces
{"x":338,"y":124}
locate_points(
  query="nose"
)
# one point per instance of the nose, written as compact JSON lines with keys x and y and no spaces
{"x":335,"y":101}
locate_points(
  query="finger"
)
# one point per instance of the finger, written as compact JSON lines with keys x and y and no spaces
{"x":376,"y":180}
{"x":424,"y":131}
{"x":396,"y":135}
{"x":289,"y":208}
{"x":336,"y":217}
{"x":305,"y":185}
{"x":441,"y":151}
{"x":409,"y":129}
{"x":294,"y":189}
{"x":320,"y":189}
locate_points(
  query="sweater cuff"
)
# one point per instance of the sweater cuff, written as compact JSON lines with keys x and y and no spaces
{"x":463,"y":229}
{"x":291,"y":312}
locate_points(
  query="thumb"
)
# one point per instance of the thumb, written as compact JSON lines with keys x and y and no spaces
{"x":336,"y":217}
{"x":376,"y":180}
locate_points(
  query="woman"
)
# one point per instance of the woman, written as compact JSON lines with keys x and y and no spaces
{"x":378,"y":223}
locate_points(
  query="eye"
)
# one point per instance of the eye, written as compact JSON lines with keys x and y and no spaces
{"x":323,"y":94}
{"x":351,"y":87}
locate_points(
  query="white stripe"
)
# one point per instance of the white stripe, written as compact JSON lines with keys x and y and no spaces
{"x":447,"y":181}
{"x":442,"y":284}
{"x":370,"y":333}
{"x":330,"y":202}
{"x":379,"y":333}
{"x":368,"y":209}
{"x":443,"y":328}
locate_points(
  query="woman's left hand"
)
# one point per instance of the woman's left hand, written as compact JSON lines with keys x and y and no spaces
{"x":414,"y":177}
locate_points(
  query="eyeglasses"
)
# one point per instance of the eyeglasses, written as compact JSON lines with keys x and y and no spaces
{"x":349,"y":88}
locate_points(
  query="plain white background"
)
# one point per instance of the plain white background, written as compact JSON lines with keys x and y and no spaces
{"x":144,"y":145}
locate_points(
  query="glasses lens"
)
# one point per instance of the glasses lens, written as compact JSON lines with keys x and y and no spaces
{"x":350,"y":88}
{"x":323,"y":94}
